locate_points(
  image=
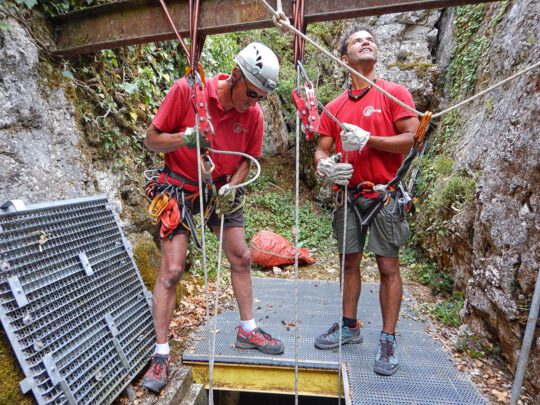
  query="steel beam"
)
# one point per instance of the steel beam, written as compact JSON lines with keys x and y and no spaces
{"x":141,"y":21}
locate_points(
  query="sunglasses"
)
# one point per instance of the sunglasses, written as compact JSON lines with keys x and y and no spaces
{"x":253,"y":94}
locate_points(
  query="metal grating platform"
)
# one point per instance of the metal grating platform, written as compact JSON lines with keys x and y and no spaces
{"x":427,"y":375}
{"x":72,"y":303}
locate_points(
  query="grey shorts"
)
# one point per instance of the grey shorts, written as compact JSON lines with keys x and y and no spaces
{"x":387,"y":233}
{"x":235,"y":219}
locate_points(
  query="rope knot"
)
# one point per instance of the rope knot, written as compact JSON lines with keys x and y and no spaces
{"x":280,"y":20}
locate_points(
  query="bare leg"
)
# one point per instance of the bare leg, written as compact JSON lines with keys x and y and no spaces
{"x":352,"y":284}
{"x":391,"y":291}
{"x":237,"y":252}
{"x":173,"y":256}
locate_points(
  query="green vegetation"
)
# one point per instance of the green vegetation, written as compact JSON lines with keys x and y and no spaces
{"x":461,"y":74}
{"x":428,"y":274}
{"x":448,"y":311}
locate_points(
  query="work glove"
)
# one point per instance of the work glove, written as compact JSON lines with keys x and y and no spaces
{"x":353,"y":137}
{"x":190,"y":139}
{"x":225,"y":199}
{"x":332,"y":169}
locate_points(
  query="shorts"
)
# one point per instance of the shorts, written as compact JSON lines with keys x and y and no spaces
{"x":235,"y":219}
{"x":387,"y":232}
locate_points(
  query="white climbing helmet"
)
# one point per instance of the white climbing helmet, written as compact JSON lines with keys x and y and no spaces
{"x":260,"y":65}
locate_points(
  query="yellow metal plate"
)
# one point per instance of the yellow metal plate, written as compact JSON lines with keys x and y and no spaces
{"x":267,"y":379}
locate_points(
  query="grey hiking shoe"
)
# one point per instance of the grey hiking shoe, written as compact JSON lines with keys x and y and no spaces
{"x":158,"y":373}
{"x":386,"y":362}
{"x":330,"y":339}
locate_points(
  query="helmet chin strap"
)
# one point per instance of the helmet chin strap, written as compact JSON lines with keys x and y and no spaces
{"x":232,"y":83}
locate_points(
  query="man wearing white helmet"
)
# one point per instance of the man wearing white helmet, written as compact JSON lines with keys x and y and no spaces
{"x":238,"y":126}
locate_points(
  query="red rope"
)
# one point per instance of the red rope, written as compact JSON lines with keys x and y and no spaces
{"x":182,"y":43}
{"x":298,"y":22}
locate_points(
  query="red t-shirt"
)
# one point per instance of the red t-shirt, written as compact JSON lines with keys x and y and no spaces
{"x":234,"y":131}
{"x":376,"y":114}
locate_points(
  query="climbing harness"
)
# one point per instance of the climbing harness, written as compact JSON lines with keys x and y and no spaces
{"x":172,"y":206}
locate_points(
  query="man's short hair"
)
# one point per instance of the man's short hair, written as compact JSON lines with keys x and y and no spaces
{"x":349,"y":33}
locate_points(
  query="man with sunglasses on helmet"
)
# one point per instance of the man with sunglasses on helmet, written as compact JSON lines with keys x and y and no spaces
{"x":237,"y":120}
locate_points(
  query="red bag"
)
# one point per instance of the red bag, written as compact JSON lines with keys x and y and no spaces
{"x":268,"y":249}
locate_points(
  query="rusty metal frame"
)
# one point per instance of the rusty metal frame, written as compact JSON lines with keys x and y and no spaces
{"x":142,"y":21}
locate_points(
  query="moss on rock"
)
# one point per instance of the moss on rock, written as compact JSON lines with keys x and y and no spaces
{"x":10,"y":376}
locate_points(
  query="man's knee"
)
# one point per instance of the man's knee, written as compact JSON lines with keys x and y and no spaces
{"x":240,"y":261}
{"x":388,"y":266}
{"x":171,"y":275}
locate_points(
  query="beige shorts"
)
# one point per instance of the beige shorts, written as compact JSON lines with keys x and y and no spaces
{"x":387,"y":232}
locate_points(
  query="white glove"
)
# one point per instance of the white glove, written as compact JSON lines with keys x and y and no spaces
{"x":353,"y":137}
{"x":331,"y":169}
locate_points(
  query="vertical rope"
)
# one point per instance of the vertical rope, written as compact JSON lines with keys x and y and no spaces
{"x":214,"y":319}
{"x":201,"y":207}
{"x":203,"y":238}
{"x":296,"y":237}
{"x":342,"y":277}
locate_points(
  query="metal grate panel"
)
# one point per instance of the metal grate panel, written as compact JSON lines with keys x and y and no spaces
{"x":427,"y":373}
{"x":72,"y":302}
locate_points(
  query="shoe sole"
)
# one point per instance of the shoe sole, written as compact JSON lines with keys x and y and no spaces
{"x":382,"y":371}
{"x":247,"y":345}
{"x":355,"y":340}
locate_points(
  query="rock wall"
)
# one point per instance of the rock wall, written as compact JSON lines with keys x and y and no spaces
{"x":41,"y":149}
{"x":493,"y":244}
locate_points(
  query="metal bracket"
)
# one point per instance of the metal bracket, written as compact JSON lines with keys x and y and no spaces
{"x":86,"y":264}
{"x":27,"y":384}
{"x":114,"y":332}
{"x":13,"y":206}
{"x":17,"y":290}
{"x":121,"y":353}
{"x":111,"y":325}
{"x":56,"y":378}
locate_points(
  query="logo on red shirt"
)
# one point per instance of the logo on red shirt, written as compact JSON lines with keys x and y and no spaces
{"x":370,"y":110}
{"x":237,"y":128}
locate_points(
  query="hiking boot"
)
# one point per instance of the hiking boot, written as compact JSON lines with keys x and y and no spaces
{"x":156,"y":376}
{"x":330,"y":339}
{"x":258,"y":339}
{"x":386,"y":362}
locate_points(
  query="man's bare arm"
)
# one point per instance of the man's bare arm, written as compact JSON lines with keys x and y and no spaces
{"x":400,"y":143}
{"x":158,"y":141}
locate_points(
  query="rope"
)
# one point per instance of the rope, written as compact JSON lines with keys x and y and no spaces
{"x":212,"y":343}
{"x":296,"y":237}
{"x":182,"y":43}
{"x":468,"y":100}
{"x":253,"y":160}
{"x":214,"y":323}
{"x":298,"y":20}
{"x":342,"y":278}
{"x":283,"y":23}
